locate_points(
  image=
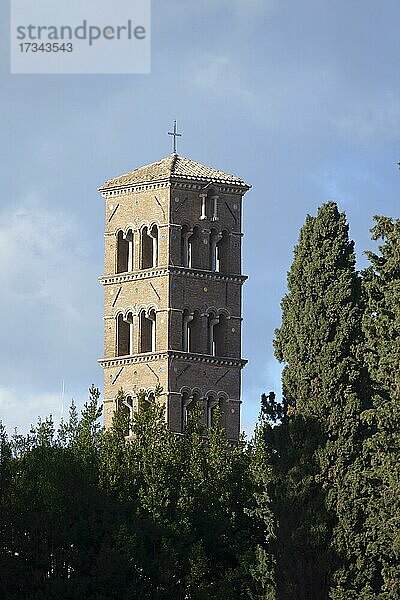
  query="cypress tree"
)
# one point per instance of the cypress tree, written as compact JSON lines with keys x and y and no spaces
{"x":261,"y":562}
{"x":325,"y":390}
{"x":297,"y":502}
{"x":382,"y":329}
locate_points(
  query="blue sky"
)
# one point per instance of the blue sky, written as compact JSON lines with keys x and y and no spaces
{"x":299,"y":98}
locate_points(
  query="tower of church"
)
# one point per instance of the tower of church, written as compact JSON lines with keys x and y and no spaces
{"x":172,"y":290}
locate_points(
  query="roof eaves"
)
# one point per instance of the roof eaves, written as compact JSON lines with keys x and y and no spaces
{"x":110,"y":188}
{"x":214,"y":180}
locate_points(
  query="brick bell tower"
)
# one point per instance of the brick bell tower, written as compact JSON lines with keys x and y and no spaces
{"x":172,"y":290}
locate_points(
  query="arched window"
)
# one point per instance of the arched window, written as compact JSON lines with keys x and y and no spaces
{"x":215,"y":237}
{"x":145,"y":399}
{"x":189,"y":405}
{"x":212,"y":322}
{"x":219,"y":251}
{"x":191,"y":331}
{"x":213,"y":412}
{"x":148,"y":331}
{"x":222,"y":253}
{"x":194,"y":258}
{"x":217,"y":335}
{"x":129,"y":238}
{"x":220,"y":335}
{"x":125,"y":406}
{"x":124,"y":251}
{"x":195,"y":334}
{"x":154,"y":237}
{"x":184,"y":406}
{"x":187,"y":318}
{"x":124,"y":335}
{"x":185,"y":234}
{"x":149,"y":247}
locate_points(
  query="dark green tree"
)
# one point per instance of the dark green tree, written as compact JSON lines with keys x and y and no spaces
{"x":60,"y":530}
{"x":301,"y":548}
{"x":382,"y":449}
{"x":325,"y":389}
{"x":262,"y":559}
{"x":132,"y":512}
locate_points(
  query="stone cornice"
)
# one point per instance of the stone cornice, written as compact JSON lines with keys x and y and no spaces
{"x":223,"y":187}
{"x":174,"y":354}
{"x":138,"y":187}
{"x":134,"y":359}
{"x":133,"y":275}
{"x":207,"y":358}
{"x":177,"y":182}
{"x":163,"y":271}
{"x":200,"y":274}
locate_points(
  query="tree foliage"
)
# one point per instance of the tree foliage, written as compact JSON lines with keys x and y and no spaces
{"x":325,"y":386}
{"x":88,"y":513}
{"x":382,"y":448}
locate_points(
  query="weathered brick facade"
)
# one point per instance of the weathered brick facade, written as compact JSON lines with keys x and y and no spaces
{"x":172,"y":289}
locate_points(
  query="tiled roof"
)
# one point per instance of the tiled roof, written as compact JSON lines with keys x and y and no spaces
{"x":173,"y":168}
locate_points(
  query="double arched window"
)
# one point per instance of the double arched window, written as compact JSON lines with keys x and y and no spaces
{"x":193,"y":256}
{"x":147,"y":333}
{"x":209,"y":409}
{"x":213,"y":341}
{"x":148,"y":249}
{"x":132,"y":403}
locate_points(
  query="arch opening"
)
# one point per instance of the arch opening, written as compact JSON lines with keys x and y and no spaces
{"x":185,"y":248}
{"x":125,"y":406}
{"x":149,"y":247}
{"x":220,"y":336}
{"x":148,"y":331}
{"x":124,"y":251}
{"x":190,"y":404}
{"x":194,"y":258}
{"x":124,"y":335}
{"x":217,"y":335}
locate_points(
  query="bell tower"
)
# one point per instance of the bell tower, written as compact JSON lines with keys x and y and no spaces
{"x":172,"y":290}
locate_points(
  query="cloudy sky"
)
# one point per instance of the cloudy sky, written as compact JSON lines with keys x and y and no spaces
{"x":298,"y":97}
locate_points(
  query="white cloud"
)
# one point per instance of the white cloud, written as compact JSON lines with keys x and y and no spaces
{"x":43,"y":259}
{"x":23,"y":409}
{"x":50,"y":306}
{"x":19,"y":409}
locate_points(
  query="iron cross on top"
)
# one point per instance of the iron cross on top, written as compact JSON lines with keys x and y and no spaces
{"x":175,"y":134}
